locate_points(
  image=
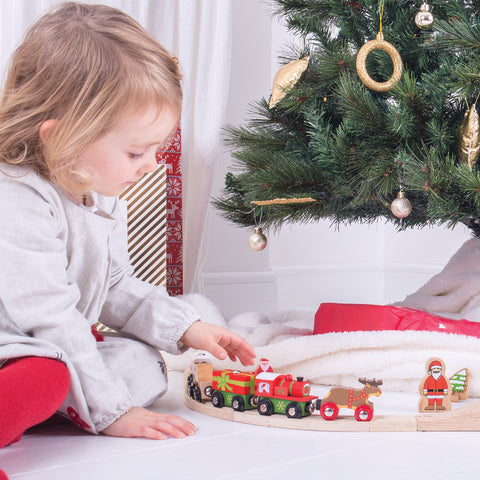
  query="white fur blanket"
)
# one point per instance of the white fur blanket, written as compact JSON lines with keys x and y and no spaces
{"x":396,"y":357}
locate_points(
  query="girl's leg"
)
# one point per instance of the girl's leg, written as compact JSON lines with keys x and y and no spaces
{"x":140,"y":366}
{"x":31,"y":390}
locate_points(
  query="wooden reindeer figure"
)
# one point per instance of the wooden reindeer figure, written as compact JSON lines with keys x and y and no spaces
{"x":355,"y":399}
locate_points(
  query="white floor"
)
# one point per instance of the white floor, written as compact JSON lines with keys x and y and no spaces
{"x":227,"y":450}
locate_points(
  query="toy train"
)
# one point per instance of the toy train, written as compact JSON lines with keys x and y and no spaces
{"x":270,"y":392}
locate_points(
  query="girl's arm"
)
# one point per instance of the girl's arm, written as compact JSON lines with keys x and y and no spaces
{"x":138,"y":308}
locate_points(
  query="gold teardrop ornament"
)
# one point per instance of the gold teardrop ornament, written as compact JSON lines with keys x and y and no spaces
{"x":379,"y":44}
{"x":286,"y":78}
{"x":469,"y":138}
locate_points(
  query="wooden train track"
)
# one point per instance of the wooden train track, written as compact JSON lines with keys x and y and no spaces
{"x":466,"y":418}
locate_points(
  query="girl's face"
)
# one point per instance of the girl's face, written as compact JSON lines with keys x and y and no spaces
{"x":127,"y":152}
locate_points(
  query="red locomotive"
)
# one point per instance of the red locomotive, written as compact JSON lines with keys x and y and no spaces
{"x":278,"y":393}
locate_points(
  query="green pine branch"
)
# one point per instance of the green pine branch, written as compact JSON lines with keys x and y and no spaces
{"x":350,"y":148}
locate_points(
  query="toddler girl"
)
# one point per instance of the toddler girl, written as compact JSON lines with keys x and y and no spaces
{"x":88,"y":98}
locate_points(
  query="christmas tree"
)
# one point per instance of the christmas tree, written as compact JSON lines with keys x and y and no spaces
{"x":344,"y":134}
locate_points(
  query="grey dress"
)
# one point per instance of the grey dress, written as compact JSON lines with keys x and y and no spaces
{"x":63,"y":268}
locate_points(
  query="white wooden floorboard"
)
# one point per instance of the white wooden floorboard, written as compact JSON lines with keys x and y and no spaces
{"x":224,"y":450}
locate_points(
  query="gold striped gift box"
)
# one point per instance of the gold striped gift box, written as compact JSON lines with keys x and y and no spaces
{"x":147,"y":228}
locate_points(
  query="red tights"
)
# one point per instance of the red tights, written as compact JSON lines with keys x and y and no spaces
{"x":31,"y":390}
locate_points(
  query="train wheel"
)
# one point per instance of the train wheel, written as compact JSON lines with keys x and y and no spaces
{"x":265,"y":407}
{"x":293,"y":410}
{"x":329,"y":411}
{"x":238,"y":404}
{"x":363,"y":413}
{"x":217,"y":400}
{"x":197,"y":395}
{"x":208,"y":391}
{"x":190,"y":385}
{"x":309,"y":408}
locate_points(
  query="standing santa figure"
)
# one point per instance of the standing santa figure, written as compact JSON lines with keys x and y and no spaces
{"x":435,"y":387}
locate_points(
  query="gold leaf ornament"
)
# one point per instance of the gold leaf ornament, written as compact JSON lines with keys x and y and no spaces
{"x":469,"y":138}
{"x":283,"y":201}
{"x":286,"y":77}
{"x":379,"y":44}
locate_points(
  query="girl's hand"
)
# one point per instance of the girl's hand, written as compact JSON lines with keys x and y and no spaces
{"x":219,"y":341}
{"x":142,"y":423}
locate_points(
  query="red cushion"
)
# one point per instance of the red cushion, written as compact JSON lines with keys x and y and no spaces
{"x":344,"y":317}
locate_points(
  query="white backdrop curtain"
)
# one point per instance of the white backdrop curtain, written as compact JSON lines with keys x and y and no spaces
{"x":198,"y":32}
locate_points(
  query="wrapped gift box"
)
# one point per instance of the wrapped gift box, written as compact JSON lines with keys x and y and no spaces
{"x":233,"y":381}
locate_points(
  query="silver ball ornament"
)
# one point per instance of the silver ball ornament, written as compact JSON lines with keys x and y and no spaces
{"x":257,"y":240}
{"x":424,"y":18}
{"x":401,"y":206}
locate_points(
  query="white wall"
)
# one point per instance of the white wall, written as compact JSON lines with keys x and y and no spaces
{"x":235,"y":277}
{"x":305,"y":265}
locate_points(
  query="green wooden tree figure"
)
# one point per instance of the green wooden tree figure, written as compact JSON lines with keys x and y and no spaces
{"x":460,"y":383}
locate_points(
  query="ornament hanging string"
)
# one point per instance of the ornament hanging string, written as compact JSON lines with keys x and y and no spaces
{"x":252,"y":210}
{"x":381,"y":6}
{"x":255,"y":216}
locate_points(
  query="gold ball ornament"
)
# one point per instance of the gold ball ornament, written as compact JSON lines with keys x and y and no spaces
{"x":424,"y":18}
{"x":379,"y":44}
{"x":469,"y":138}
{"x":257,"y":240}
{"x":286,"y":78}
{"x":401,"y":206}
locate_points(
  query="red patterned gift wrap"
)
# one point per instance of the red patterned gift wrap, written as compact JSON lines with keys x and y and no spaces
{"x":170,"y":156}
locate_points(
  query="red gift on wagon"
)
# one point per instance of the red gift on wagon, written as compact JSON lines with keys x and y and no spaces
{"x":233,"y":381}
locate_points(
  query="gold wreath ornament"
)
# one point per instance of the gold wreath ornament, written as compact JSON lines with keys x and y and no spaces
{"x":379,"y":44}
{"x":286,"y":78}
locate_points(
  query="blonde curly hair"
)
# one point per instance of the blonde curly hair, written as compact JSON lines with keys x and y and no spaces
{"x":86,"y":66}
